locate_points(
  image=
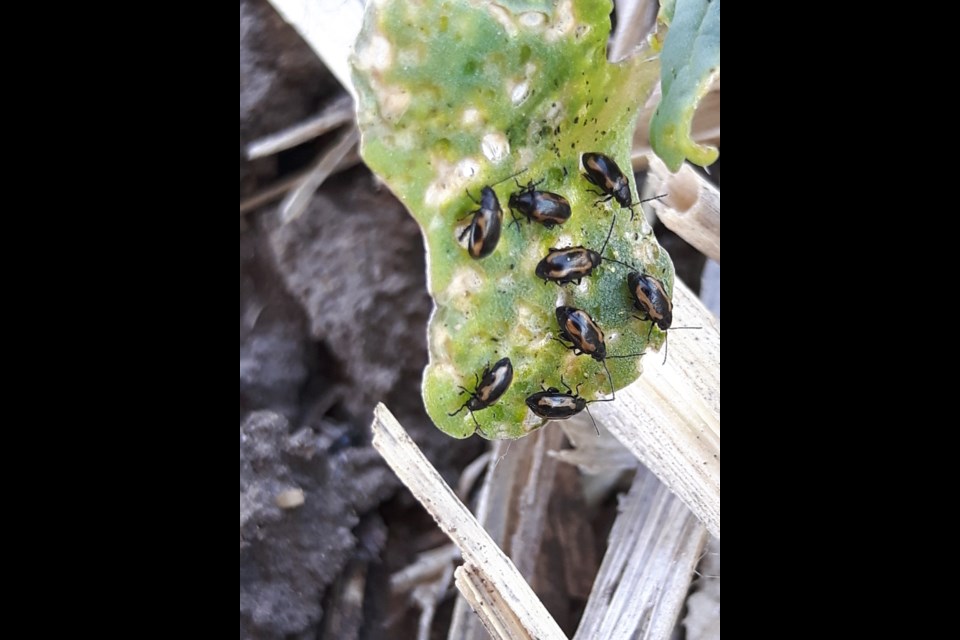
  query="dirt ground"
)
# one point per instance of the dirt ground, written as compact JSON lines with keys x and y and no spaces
{"x":333,"y":309}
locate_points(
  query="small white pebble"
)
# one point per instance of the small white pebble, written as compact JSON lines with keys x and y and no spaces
{"x":290,"y":499}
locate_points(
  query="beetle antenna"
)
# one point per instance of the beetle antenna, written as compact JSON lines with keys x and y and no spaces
{"x":633,"y":204}
{"x":513,"y":176}
{"x":604,"y":248}
{"x":592,"y":420}
{"x":629,"y":266}
{"x":628,"y":355}
{"x":666,"y":340}
{"x":612,"y":223}
{"x":613,"y":391}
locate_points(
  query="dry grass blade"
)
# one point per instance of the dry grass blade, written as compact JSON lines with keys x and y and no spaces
{"x":429,"y":564}
{"x":514,"y":598}
{"x":280,"y":187}
{"x":691,"y":208}
{"x":490,"y":608}
{"x":297,"y":200}
{"x":670,"y":418}
{"x":427,"y":596}
{"x":703,"y":606}
{"x":513,"y":498}
{"x":532,"y":502}
{"x":338,"y":113}
{"x":643,"y":581}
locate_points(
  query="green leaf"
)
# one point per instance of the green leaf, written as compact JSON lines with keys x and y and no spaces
{"x":458,"y":94}
{"x":690,"y":61}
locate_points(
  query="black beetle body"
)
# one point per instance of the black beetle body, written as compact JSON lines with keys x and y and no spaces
{"x":568,"y":265}
{"x":549,"y":209}
{"x":651,"y":299}
{"x":603,"y":172}
{"x":490,"y":386}
{"x":574,"y":263}
{"x":484,"y":229}
{"x":578,"y":328}
{"x":554,"y":405}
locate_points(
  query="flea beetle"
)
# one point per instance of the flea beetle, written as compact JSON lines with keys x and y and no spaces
{"x":574,"y":263}
{"x":602,"y":171}
{"x":578,"y":328}
{"x":651,"y":299}
{"x":489,"y":387}
{"x":554,"y":405}
{"x":484,"y":229}
{"x":549,"y":209}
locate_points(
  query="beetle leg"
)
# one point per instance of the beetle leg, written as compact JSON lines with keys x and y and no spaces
{"x":468,"y":214}
{"x":516,"y":220}
{"x":459,"y":410}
